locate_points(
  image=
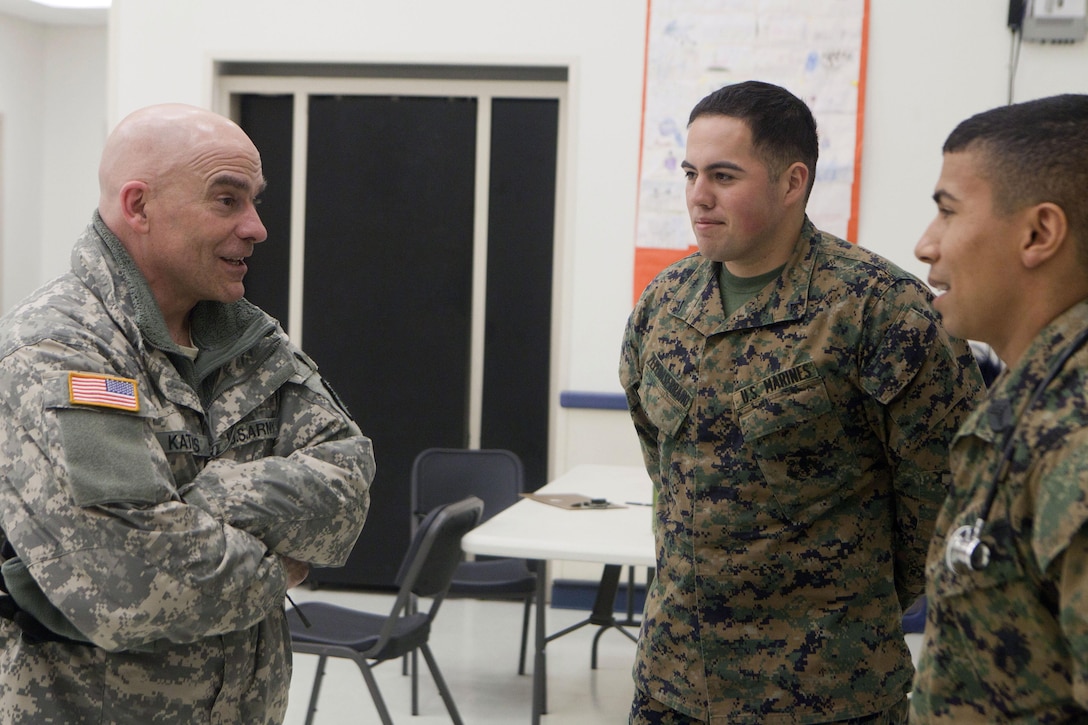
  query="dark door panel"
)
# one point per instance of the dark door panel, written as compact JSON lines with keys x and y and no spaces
{"x":268,"y":120}
{"x":387,"y":287}
{"x":520,"y":249}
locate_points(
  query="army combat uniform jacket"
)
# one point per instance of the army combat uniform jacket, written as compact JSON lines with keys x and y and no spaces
{"x":149,"y":498}
{"x":799,"y":456}
{"x":1009,"y":643}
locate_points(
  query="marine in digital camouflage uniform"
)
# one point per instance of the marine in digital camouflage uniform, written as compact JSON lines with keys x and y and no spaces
{"x":1007,"y":641}
{"x":150,"y":519}
{"x":798,"y":448}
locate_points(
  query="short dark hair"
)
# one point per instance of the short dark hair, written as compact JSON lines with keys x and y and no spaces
{"x":1034,"y":152}
{"x":782,"y":126}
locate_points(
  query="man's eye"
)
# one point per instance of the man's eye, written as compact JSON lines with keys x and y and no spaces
{"x":689,"y":174}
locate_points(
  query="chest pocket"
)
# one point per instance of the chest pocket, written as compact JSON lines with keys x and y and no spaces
{"x":791,"y":427}
{"x":664,"y":398}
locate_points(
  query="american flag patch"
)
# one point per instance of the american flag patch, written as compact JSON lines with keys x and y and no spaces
{"x":103,"y":390}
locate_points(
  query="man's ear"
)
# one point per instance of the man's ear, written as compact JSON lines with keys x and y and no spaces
{"x":1048,"y":234}
{"x":134,"y":197}
{"x":796,"y":177}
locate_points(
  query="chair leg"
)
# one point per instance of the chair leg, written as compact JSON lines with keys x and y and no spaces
{"x":375,"y":693}
{"x":312,"y":707}
{"x":414,"y":666}
{"x":413,"y":606}
{"x":525,"y":634}
{"x":443,"y":690}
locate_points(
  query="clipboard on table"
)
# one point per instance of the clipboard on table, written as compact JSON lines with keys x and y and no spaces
{"x":573,"y":501}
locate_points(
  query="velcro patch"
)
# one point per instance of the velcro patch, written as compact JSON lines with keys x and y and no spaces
{"x":104,"y":391}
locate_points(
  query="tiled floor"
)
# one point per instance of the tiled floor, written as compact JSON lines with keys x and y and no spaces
{"x":476,"y":645}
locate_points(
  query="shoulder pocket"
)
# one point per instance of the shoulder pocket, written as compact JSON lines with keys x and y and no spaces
{"x":107,"y":453}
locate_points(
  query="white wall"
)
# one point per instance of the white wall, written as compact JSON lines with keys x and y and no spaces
{"x":931,"y":64}
{"x":22,"y":106}
{"x":53,"y":111}
{"x":75,"y":129}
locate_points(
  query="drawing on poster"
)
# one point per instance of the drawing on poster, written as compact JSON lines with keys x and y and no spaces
{"x":815,"y":49}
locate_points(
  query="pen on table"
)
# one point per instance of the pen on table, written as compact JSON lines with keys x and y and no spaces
{"x":593,"y":503}
{"x":637,"y":503}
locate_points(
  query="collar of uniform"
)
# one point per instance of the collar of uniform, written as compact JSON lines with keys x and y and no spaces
{"x":130,"y":285}
{"x":698,"y":300}
{"x":225,"y":332}
{"x":1011,"y":391}
{"x":148,"y":317}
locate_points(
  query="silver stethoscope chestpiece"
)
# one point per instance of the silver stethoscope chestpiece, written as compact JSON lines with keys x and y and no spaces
{"x":964,"y":550}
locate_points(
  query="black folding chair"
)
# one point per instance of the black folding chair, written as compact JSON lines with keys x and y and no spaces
{"x":368,"y":639}
{"x":497,"y":477}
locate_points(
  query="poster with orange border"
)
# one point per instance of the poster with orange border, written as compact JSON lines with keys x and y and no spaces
{"x":816,"y":49}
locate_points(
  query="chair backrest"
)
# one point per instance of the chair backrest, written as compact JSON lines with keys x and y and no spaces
{"x":435,"y":551}
{"x":441,"y":475}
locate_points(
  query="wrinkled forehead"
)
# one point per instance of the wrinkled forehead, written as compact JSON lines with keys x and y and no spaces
{"x":219,"y":155}
{"x":234,"y":164}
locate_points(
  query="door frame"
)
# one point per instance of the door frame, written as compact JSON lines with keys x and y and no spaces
{"x":230,"y":86}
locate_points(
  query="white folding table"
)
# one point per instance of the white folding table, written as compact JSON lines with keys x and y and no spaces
{"x":533,"y":530}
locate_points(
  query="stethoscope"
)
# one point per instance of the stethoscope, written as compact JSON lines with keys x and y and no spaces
{"x":964,"y":551}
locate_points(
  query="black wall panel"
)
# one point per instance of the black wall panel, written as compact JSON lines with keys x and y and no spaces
{"x":268,"y":121}
{"x":387,"y":288}
{"x":521,"y":229}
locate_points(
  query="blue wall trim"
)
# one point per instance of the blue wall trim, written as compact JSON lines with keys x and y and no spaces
{"x":600,"y":401}
{"x":578,"y":594}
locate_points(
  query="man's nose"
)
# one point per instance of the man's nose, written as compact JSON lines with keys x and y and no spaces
{"x":699,"y":193}
{"x":253,"y":228}
{"x":926,"y":248}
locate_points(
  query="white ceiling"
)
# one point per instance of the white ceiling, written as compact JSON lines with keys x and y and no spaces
{"x":34,"y":12}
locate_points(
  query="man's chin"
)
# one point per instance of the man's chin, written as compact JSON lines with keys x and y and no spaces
{"x":952,"y":326}
{"x":230,"y":295}
{"x":709,"y":251}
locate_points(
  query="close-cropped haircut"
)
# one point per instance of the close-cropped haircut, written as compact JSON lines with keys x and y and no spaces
{"x":1034,"y":152}
{"x":782,"y":126}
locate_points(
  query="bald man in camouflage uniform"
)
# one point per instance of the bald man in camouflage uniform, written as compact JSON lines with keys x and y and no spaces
{"x":169,"y":462}
{"x":794,"y":398}
{"x":1006,"y":636}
